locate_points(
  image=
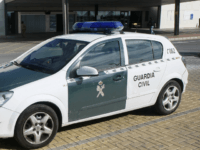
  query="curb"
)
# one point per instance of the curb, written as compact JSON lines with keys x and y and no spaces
{"x":171,"y":39}
{"x":185,"y":38}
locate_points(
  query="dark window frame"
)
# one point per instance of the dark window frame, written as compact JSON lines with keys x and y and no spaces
{"x":105,"y":69}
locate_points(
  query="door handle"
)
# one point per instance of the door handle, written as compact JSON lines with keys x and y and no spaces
{"x":157,"y":70}
{"x":118,"y":78}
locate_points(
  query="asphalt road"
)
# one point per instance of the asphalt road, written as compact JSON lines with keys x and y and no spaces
{"x":139,"y":129}
{"x":186,"y":48}
{"x":8,"y":57}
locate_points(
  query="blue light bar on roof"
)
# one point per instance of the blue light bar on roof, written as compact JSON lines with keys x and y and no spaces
{"x":99,"y":26}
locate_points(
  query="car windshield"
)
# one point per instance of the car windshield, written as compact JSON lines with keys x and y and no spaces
{"x":52,"y":56}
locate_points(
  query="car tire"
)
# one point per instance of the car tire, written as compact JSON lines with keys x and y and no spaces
{"x":36,"y":126}
{"x":169,"y":98}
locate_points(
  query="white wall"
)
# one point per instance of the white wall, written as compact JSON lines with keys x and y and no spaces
{"x":186,"y":9}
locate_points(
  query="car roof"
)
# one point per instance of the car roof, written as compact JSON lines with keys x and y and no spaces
{"x":89,"y":37}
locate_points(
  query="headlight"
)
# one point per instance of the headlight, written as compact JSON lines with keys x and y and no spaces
{"x":4,"y":97}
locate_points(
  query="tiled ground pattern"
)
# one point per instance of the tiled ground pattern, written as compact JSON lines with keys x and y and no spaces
{"x":181,"y":132}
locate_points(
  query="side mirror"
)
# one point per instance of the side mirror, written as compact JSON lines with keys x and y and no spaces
{"x":87,"y":71}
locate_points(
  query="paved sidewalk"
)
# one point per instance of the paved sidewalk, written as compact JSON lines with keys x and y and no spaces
{"x":141,"y":129}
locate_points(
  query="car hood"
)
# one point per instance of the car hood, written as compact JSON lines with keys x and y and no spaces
{"x":14,"y":76}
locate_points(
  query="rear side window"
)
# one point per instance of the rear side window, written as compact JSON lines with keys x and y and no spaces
{"x":139,"y":51}
{"x":157,"y":49}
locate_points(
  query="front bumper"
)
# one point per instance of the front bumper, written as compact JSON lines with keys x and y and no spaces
{"x":8,"y":120}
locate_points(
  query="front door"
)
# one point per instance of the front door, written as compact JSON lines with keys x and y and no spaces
{"x":105,"y":93}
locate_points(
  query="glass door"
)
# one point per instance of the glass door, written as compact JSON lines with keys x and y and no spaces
{"x":124,"y":18}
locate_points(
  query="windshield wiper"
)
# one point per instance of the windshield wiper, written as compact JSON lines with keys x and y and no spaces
{"x":35,"y":68}
{"x":24,"y":66}
{"x":16,"y":63}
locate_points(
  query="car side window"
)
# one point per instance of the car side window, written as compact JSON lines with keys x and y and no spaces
{"x":157,"y":49}
{"x":139,"y":51}
{"x":103,"y":57}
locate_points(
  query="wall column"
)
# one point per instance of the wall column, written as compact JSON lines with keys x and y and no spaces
{"x":19,"y":23}
{"x":159,"y":16}
{"x":65,"y":4}
{"x":3,"y":17}
{"x":96,"y":11}
{"x":16,"y":22}
{"x":47,"y":23}
{"x":143,"y":19}
{"x":176,"y":17}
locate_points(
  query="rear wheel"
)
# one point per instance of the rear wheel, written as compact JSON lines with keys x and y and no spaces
{"x":169,"y":98}
{"x":36,"y":127}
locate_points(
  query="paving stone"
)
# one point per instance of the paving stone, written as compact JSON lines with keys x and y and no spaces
{"x":140,"y":129}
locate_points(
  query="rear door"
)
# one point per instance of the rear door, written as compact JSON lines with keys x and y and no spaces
{"x":97,"y":95}
{"x":145,"y":70}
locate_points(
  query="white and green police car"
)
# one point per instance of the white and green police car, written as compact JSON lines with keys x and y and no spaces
{"x":84,"y":76}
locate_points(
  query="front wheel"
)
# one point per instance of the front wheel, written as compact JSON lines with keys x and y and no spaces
{"x":36,"y":126}
{"x":169,"y":98}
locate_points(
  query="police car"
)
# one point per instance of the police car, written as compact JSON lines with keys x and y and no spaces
{"x":87,"y":75}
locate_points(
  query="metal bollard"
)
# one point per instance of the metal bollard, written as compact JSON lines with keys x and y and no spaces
{"x":151,"y":30}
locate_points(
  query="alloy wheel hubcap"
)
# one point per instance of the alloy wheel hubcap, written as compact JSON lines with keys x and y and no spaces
{"x":171,"y":98}
{"x":38,"y":128}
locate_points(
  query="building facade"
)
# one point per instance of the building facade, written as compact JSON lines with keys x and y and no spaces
{"x":189,"y":15}
{"x":51,"y":19}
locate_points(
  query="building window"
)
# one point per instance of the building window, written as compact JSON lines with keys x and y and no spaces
{"x":83,"y":16}
{"x":147,"y":16}
{"x":103,"y":16}
{"x":53,"y":24}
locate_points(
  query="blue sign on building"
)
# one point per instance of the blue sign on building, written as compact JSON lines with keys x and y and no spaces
{"x":191,"y":16}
